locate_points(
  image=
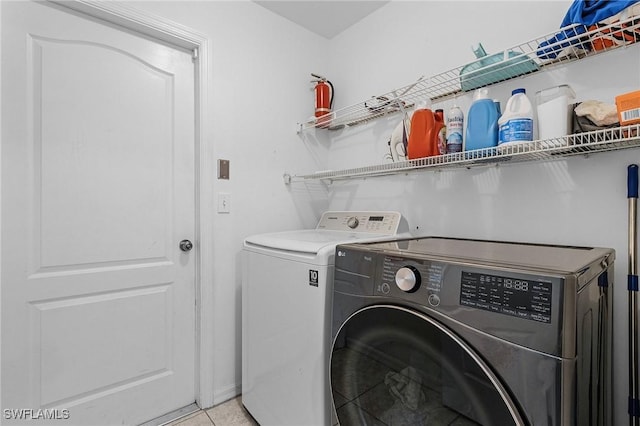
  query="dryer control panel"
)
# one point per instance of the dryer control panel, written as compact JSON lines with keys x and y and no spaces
{"x":433,"y":283}
{"x":521,"y":298}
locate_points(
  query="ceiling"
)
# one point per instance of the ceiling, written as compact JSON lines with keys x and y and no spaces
{"x":326,"y":18}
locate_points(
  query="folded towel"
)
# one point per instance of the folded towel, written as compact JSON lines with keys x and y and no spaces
{"x":600,"y":113}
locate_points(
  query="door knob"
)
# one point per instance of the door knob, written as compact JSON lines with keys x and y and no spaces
{"x":186,"y":245}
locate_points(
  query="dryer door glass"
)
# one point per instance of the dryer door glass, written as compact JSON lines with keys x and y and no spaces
{"x":394,"y":366}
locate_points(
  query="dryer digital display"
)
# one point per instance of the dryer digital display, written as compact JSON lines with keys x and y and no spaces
{"x":527,"y":299}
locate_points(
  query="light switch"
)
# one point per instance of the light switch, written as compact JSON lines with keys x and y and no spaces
{"x":224,"y":202}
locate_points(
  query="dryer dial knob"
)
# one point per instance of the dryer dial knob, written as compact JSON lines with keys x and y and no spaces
{"x":353,"y":222}
{"x":408,"y":279}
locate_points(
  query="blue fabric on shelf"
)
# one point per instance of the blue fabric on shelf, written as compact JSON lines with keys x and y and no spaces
{"x":590,"y":12}
{"x":581,"y":13}
{"x":551,"y":48}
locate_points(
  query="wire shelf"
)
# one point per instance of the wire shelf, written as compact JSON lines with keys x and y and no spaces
{"x":541,"y":150}
{"x":563,"y":46}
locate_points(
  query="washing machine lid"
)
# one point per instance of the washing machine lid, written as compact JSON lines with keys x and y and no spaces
{"x":308,"y":241}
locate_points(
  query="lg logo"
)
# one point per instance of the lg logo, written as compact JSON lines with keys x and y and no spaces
{"x":341,"y":253}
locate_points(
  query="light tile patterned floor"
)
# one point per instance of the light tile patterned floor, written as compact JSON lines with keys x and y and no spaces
{"x":230,"y":413}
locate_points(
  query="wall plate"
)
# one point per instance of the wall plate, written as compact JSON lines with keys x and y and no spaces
{"x":223,"y":169}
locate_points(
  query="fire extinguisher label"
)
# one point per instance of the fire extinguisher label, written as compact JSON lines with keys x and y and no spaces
{"x":313,"y":277}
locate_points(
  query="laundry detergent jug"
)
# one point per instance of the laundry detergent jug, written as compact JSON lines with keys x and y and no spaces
{"x":423,"y":137}
{"x":482,"y":122}
{"x":516,"y":124}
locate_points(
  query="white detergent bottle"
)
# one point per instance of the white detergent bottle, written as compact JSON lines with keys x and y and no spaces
{"x":516,"y":123}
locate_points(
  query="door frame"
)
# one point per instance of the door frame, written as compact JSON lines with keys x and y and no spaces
{"x":183,"y":37}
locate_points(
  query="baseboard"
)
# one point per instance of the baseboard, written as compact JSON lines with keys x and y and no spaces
{"x":223,"y":395}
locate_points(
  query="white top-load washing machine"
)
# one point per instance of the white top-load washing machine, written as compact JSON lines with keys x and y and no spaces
{"x":286,"y":308}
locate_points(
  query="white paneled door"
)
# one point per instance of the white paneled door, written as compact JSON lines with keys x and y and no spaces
{"x":98,"y":299}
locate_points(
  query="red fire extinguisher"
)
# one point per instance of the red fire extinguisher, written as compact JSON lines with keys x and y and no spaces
{"x":324,"y":100}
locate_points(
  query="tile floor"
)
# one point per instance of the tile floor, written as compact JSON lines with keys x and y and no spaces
{"x":230,"y":413}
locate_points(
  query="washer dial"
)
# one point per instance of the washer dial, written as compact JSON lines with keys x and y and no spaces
{"x":353,"y":222}
{"x":408,"y":279}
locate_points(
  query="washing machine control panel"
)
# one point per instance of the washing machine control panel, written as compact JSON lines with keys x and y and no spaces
{"x":517,"y":297}
{"x":384,"y":223}
{"x":416,"y":280}
{"x":447,"y":287}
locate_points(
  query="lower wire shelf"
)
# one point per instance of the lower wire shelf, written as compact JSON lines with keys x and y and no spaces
{"x":610,"y":139}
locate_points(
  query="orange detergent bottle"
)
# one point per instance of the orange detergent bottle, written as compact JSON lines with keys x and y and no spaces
{"x":423,"y":138}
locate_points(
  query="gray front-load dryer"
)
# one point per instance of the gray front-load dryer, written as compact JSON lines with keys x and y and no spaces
{"x":444,"y":331}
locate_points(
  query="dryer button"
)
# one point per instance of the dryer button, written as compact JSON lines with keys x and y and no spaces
{"x":434,"y":300}
{"x":385,"y":288}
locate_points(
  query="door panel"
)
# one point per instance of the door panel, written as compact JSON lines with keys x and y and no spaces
{"x":122,"y":360}
{"x":98,"y":301}
{"x":79,"y":192}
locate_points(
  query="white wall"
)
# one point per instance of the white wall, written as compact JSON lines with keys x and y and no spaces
{"x":575,"y":201}
{"x":260,"y":65}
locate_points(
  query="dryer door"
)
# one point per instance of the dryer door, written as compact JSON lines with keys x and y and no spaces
{"x":394,"y":366}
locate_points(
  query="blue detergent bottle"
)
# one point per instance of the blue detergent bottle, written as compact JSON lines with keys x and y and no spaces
{"x":482,"y":122}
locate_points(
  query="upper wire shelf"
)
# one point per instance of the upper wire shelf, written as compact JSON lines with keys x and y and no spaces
{"x":549,"y":149}
{"x":563,"y":46}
